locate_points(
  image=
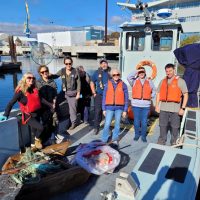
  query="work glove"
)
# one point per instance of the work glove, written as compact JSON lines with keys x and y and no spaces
{"x":3,"y":118}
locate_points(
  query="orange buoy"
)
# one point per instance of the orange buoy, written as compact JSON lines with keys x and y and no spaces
{"x":150,"y":64}
{"x":130,"y":113}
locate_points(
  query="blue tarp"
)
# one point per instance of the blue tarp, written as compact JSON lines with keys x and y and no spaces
{"x":189,"y":57}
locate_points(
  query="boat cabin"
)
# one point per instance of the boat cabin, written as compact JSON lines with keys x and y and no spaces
{"x":154,"y":42}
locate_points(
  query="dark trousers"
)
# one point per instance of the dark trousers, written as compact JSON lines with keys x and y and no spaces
{"x":83,"y":108}
{"x":97,"y":110}
{"x":168,"y":121}
{"x":48,"y":123}
{"x":36,"y":128}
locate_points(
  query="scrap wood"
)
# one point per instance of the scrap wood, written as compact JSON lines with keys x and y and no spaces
{"x":59,"y":149}
{"x":11,"y":161}
{"x":56,"y":149}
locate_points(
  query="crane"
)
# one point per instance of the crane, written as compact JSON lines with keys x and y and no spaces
{"x":27,"y":31}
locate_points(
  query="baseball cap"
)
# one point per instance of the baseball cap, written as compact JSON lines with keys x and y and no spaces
{"x":142,"y":70}
{"x":103,"y":60}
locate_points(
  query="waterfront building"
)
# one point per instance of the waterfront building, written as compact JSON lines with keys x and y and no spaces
{"x":94,"y":32}
{"x":64,"y":38}
{"x":73,"y":37}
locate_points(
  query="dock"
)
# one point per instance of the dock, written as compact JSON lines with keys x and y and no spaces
{"x":74,"y":51}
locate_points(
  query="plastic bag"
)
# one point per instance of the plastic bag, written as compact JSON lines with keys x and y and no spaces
{"x":97,"y":158}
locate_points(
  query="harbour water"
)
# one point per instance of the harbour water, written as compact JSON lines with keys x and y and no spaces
{"x":7,"y":79}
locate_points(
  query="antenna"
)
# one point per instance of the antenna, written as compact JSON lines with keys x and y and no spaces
{"x":144,"y":7}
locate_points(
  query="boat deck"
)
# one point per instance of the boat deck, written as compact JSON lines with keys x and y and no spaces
{"x":130,"y":151}
{"x":175,"y":171}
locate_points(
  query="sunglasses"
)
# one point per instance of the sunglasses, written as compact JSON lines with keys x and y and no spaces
{"x":44,"y":71}
{"x":30,"y":77}
{"x":115,"y":75}
{"x":142,"y":72}
{"x":68,"y":63}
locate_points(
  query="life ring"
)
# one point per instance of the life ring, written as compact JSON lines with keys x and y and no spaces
{"x":150,"y":64}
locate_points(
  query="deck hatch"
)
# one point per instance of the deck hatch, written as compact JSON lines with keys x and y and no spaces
{"x":191,"y":115}
{"x":179,"y":168}
{"x":190,"y":125}
{"x":152,"y":161}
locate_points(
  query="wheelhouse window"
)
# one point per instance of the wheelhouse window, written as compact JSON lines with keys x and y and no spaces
{"x":162,"y":40}
{"x":135,"y":41}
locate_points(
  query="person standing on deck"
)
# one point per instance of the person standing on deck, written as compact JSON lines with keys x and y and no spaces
{"x":171,"y":100}
{"x":27,"y":95}
{"x":86,"y":93}
{"x":48,"y":92}
{"x":115,"y":102}
{"x":71,"y":85}
{"x":143,"y":90}
{"x":97,"y":84}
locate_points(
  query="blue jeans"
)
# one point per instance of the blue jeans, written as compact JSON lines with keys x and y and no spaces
{"x":86,"y":114}
{"x":108,"y":120}
{"x":140,"y":120}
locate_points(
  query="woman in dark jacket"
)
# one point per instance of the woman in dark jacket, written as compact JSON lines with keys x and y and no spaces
{"x":48,"y":93}
{"x":71,"y":85}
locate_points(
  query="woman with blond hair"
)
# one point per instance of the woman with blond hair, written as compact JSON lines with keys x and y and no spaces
{"x":115,"y":103}
{"x":27,"y":95}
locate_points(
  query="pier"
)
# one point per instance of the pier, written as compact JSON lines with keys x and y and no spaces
{"x":74,"y":51}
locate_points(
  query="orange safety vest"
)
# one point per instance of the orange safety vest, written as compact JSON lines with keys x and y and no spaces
{"x":140,"y":91}
{"x":115,"y":97}
{"x":170,"y":92}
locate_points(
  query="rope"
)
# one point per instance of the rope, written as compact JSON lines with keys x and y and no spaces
{"x":180,"y":141}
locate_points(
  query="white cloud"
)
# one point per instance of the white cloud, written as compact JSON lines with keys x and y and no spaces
{"x":116,"y":20}
{"x":18,"y":29}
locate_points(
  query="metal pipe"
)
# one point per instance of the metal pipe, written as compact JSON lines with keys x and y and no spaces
{"x":106,"y":16}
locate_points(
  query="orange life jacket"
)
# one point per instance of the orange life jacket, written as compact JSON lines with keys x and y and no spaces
{"x":170,"y":92}
{"x":140,"y":91}
{"x":33,"y":104}
{"x":115,"y":97}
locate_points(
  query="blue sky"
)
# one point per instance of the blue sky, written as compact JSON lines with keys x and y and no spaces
{"x":63,"y":14}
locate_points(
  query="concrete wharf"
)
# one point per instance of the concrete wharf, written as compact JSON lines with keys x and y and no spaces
{"x":74,"y":51}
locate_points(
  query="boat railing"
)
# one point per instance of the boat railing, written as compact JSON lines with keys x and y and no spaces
{"x":189,"y":134}
{"x":198,"y":97}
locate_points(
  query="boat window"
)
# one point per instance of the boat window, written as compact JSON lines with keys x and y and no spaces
{"x":135,"y":41}
{"x":162,"y":40}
